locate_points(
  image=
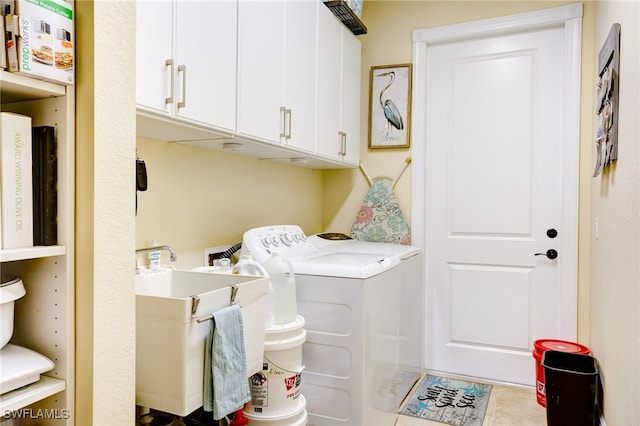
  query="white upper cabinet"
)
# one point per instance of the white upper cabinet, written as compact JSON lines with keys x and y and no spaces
{"x":338,"y":100}
{"x":261,"y":69}
{"x":154,"y":42}
{"x":350,"y":97}
{"x":276,"y":71}
{"x":328,"y":100}
{"x":279,"y":79}
{"x":186,"y":65}
{"x":300,"y":73}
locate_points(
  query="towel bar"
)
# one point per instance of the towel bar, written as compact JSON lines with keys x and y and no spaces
{"x":196,"y":301}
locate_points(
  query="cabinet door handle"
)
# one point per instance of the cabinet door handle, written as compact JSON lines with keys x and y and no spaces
{"x":288,"y":113}
{"x":343,"y":143}
{"x":283,"y":119}
{"x":183,"y":69}
{"x":169,"y":63}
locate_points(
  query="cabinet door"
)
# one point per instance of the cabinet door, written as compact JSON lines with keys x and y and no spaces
{"x":300,"y":73}
{"x":261,"y":69}
{"x":205,"y":74}
{"x":350,"y":96}
{"x":154,"y":43}
{"x":328,"y":94}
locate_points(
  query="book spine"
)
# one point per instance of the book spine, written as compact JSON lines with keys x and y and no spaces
{"x":45,"y":199}
{"x":16,"y":174}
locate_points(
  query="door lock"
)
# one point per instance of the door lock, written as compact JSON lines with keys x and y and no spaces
{"x":551,"y":254}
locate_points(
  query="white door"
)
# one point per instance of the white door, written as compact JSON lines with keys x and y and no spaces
{"x":499,"y":192}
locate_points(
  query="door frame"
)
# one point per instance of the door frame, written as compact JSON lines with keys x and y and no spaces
{"x":569,"y":17}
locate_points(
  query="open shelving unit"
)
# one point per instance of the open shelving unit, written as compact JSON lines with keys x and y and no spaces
{"x":44,"y":317}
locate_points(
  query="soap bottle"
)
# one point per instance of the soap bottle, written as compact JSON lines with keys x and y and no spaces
{"x":154,"y":256}
{"x":222,"y":266}
{"x":285,"y":308}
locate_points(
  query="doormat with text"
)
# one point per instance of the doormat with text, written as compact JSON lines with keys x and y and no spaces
{"x":451,"y":401}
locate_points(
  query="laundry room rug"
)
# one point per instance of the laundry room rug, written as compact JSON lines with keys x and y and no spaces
{"x":446,"y":400}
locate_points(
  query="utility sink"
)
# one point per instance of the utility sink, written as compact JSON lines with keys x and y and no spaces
{"x":172,"y":311}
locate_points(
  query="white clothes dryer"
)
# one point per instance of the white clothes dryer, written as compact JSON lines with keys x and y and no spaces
{"x":363,"y":306}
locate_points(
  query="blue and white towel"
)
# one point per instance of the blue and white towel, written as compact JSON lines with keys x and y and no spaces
{"x":226,"y":388}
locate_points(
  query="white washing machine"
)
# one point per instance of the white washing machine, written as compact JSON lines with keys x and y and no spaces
{"x":363,"y":306}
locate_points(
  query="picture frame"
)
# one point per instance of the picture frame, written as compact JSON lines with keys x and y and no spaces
{"x":390,"y":106}
{"x":607,"y":108}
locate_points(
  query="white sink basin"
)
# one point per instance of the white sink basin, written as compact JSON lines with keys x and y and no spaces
{"x":170,"y":341}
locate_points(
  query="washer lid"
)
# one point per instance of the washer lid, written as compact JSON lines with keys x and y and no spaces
{"x":351,"y":245}
{"x":343,"y":264}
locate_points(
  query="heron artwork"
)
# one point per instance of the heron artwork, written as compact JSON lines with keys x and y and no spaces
{"x":391,"y":112}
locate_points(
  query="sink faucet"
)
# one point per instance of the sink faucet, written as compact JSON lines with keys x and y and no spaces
{"x":155,"y":248}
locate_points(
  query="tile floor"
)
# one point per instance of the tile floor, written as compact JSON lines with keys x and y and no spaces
{"x":508,"y":406}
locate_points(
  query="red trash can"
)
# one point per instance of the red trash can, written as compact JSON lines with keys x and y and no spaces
{"x":539,"y":348}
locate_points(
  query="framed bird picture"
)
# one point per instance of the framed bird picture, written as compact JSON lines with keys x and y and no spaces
{"x":390,"y":106}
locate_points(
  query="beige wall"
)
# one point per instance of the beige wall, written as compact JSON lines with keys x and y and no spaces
{"x":105,"y":227}
{"x":198,"y":198}
{"x":615,"y":267}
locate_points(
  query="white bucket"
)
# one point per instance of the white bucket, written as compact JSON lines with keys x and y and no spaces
{"x":275,"y":391}
{"x":295,"y":418}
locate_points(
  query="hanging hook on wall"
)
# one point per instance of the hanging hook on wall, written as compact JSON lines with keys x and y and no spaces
{"x":393,"y":180}
{"x":406,"y":163}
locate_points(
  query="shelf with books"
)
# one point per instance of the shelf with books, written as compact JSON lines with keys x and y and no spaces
{"x":44,"y":316}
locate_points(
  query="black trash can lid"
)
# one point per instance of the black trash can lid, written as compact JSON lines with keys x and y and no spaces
{"x":570,"y":362}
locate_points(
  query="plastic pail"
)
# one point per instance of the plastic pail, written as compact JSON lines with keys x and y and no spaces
{"x":294,"y":418}
{"x":539,"y":348}
{"x":275,"y":391}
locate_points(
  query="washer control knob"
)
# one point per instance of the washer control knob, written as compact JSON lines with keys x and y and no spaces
{"x":266,"y":242}
{"x":286,"y":239}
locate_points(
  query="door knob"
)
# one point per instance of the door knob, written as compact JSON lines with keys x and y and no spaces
{"x":552,"y":233}
{"x":551,"y":254}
